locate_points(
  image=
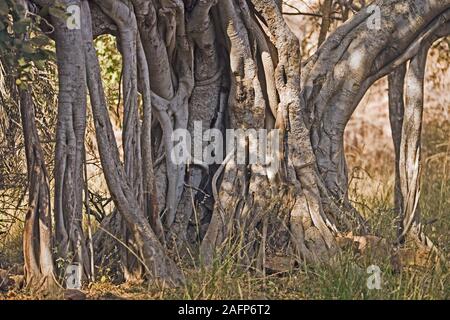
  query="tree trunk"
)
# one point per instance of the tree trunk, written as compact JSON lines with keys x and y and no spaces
{"x":326,"y":20}
{"x":37,"y":235}
{"x":336,"y":78}
{"x":396,"y":84}
{"x":151,"y":253}
{"x":406,"y":106}
{"x":69,"y":152}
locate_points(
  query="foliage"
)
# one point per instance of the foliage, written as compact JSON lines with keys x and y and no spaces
{"x":111,"y":68}
{"x":22,"y":43}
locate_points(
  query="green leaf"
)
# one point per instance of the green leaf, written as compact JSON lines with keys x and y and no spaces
{"x":21,"y":26}
{"x":39,"y":40}
{"x":58,"y":13}
{"x":21,"y":62}
{"x":26,"y":48}
{"x":40,"y":64}
{"x":4,"y":10}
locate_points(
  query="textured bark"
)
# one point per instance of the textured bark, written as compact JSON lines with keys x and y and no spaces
{"x":336,"y":78}
{"x":247,"y":195}
{"x":69,"y":152}
{"x":131,"y":134}
{"x":37,"y":235}
{"x":151,"y":253}
{"x":408,"y":101}
{"x":326,"y":20}
{"x":406,"y":104}
{"x":204,"y":105}
{"x":396,"y":84}
{"x":409,"y":157}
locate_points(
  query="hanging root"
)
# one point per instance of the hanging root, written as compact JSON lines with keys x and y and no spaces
{"x":244,"y":201}
{"x":408,"y":161}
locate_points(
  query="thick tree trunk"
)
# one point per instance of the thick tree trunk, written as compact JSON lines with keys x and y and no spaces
{"x":406,"y":106}
{"x":409,"y":158}
{"x":406,"y":98}
{"x":230,"y":64}
{"x":69,"y":152}
{"x":263,"y":89}
{"x":356,"y":55}
{"x":247,"y":192}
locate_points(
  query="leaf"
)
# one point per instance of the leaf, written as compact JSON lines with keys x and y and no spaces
{"x":58,"y":13}
{"x":23,"y":86}
{"x":40,"y":64}
{"x":21,"y":26}
{"x":39,"y":40}
{"x":21,"y":62}
{"x":26,"y":48}
{"x":4,"y":10}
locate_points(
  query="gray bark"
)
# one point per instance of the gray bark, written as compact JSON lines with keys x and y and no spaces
{"x":336,"y":78}
{"x":70,"y":136}
{"x":232,"y":64}
{"x":151,"y":253}
{"x":396,"y":110}
{"x":37,"y":235}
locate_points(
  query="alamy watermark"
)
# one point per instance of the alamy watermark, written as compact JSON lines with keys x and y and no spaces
{"x":211,"y":146}
{"x":73,"y":22}
{"x":74,"y":17}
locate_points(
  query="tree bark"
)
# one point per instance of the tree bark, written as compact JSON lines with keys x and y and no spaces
{"x":406,"y":103}
{"x":151,"y":253}
{"x":336,"y":78}
{"x":37,"y":235}
{"x":70,"y":134}
{"x":326,"y":20}
{"x":396,"y":82}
